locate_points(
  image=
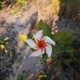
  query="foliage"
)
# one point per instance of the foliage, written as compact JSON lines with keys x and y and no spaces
{"x":64,"y":52}
{"x":45,"y":28}
{"x":63,"y":39}
{"x":0,"y":5}
{"x":43,"y":76}
{"x":4,"y":48}
{"x":5,"y":57}
{"x":20,"y":75}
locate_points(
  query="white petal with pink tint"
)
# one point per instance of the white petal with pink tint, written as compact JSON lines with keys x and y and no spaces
{"x":39,"y":35}
{"x":49,"y":40}
{"x":49,"y":50}
{"x":42,"y":51}
{"x":31,"y":43}
{"x":36,"y":53}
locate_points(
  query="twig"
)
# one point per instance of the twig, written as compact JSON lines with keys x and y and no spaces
{"x":50,"y":64}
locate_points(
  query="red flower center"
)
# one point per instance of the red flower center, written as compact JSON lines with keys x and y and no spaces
{"x":41,"y":44}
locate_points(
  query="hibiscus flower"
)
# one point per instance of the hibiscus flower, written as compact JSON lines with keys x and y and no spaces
{"x":41,"y":44}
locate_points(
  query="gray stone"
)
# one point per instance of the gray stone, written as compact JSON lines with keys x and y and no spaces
{"x":23,"y":23}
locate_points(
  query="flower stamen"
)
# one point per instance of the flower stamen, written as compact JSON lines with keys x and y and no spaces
{"x":41,"y":44}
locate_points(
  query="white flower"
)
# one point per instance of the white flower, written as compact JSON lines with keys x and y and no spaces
{"x":41,"y":44}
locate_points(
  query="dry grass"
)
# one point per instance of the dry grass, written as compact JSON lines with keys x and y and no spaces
{"x":68,"y":8}
{"x":56,"y":6}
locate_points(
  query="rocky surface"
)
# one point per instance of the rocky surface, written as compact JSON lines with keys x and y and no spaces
{"x":23,"y":22}
{"x":12,"y":25}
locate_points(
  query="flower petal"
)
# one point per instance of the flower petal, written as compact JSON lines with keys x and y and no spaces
{"x":49,"y":50}
{"x":39,"y":35}
{"x":49,"y":40}
{"x":31,"y":43}
{"x":36,"y":53}
{"x":22,"y":37}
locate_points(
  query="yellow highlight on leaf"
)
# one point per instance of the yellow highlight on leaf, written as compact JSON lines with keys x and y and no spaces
{"x":2,"y":46}
{"x":5,"y":39}
{"x":6,"y":51}
{"x":22,"y":37}
{"x":7,"y":43}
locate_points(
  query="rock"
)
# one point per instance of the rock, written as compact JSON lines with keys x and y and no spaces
{"x":23,"y":23}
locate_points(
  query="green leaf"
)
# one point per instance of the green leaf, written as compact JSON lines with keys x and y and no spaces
{"x":68,"y":41}
{"x":43,"y":26}
{"x":53,"y":55}
{"x":43,"y":58}
{"x":57,"y":50}
{"x":66,"y":62}
{"x":20,"y":77}
{"x":77,"y":55}
{"x":43,"y":76}
{"x":70,"y":50}
{"x":29,"y":36}
{"x":0,"y":5}
{"x":57,"y":64}
{"x":61,"y":35}
{"x":68,"y":34}
{"x":23,"y":71}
